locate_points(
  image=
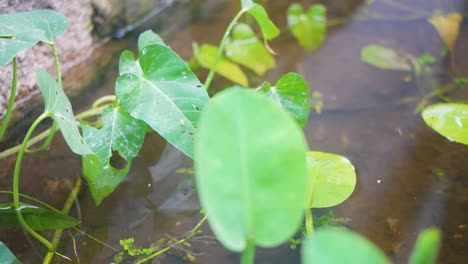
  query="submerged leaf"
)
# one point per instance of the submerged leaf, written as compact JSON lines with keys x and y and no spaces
{"x":331,"y":179}
{"x":250,"y":169}
{"x":269,"y":30}
{"x":450,"y":120}
{"x":206,"y":55}
{"x":291,"y":93}
{"x":168,"y":96}
{"x":309,"y":28}
{"x":384,"y":58}
{"x":448,"y":27}
{"x":22,"y":30}
{"x":427,"y":247}
{"x":58,"y":107}
{"x":120,"y":132}
{"x":38,"y":218}
{"x":245,"y":48}
{"x":333,"y":245}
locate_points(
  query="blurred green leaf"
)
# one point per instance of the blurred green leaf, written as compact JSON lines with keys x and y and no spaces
{"x":246,"y":4}
{"x":37,"y":218}
{"x":427,"y":247}
{"x":256,"y":152}
{"x":206,"y":55}
{"x":332,"y":179}
{"x":168,"y":96}
{"x":449,"y":119}
{"x":384,"y":58}
{"x":269,"y":30}
{"x":6,"y":257}
{"x":291,"y":93}
{"x":245,"y":49}
{"x":309,"y":28}
{"x":333,"y":245}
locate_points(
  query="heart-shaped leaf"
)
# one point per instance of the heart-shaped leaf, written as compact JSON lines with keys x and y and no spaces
{"x":384,"y":58}
{"x":310,"y":28}
{"x":206,"y":56}
{"x":332,"y":245}
{"x":127,"y":64}
{"x":427,"y":247}
{"x":59,"y":108}
{"x":291,"y":93}
{"x":119,"y":132}
{"x":245,"y":48}
{"x":331,"y":179}
{"x":6,"y":256}
{"x":149,"y":38}
{"x":22,"y":30}
{"x":168,"y":97}
{"x":269,"y":30}
{"x":450,"y":120}
{"x":250,"y":169}
{"x":38,"y":218}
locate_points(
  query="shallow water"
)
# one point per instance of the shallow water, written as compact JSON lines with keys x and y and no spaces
{"x":409,"y":178}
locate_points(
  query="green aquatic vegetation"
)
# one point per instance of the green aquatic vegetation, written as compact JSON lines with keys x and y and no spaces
{"x":427,"y":247}
{"x":129,"y":249}
{"x":385,"y":58}
{"x":291,"y":92}
{"x":309,"y":28}
{"x":449,"y":119}
{"x":228,"y":154}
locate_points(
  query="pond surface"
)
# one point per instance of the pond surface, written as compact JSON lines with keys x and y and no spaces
{"x":409,"y":177}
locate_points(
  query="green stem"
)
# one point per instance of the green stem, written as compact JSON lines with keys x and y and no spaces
{"x":309,"y":222}
{"x":16,"y":174}
{"x":109,"y":99}
{"x":34,"y":200}
{"x":11,"y":102}
{"x":219,"y":54}
{"x":191,"y":233}
{"x":248,"y":255}
{"x":57,"y":64}
{"x":49,"y":139}
{"x":66,"y":209}
{"x":41,"y":136}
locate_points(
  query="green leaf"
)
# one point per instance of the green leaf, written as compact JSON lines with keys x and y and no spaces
{"x":59,"y":108}
{"x":6,"y":257}
{"x":127,"y":64}
{"x":168,"y":97}
{"x":427,"y":247}
{"x":119,"y":132}
{"x":331,"y":179}
{"x":450,"y":120}
{"x":245,"y":49}
{"x":246,"y":4}
{"x":250,"y":169}
{"x":37,"y":218}
{"x":310,"y":28}
{"x":206,"y":55}
{"x":269,"y":30}
{"x":22,"y":30}
{"x":291,"y":93}
{"x":332,"y":245}
{"x":384,"y":58}
{"x":149,"y":38}
{"x":102,"y":179}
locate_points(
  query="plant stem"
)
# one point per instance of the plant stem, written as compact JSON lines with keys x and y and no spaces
{"x":11,"y":102}
{"x":190,"y":234}
{"x":248,"y":255}
{"x":219,"y":54}
{"x":309,"y":221}
{"x":105,"y":99}
{"x":66,"y":209}
{"x":16,"y":174}
{"x":49,"y":139}
{"x":83,"y":115}
{"x":34,"y":200}
{"x":57,"y":64}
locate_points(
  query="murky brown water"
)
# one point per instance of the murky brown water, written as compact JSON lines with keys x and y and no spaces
{"x":398,"y":158}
